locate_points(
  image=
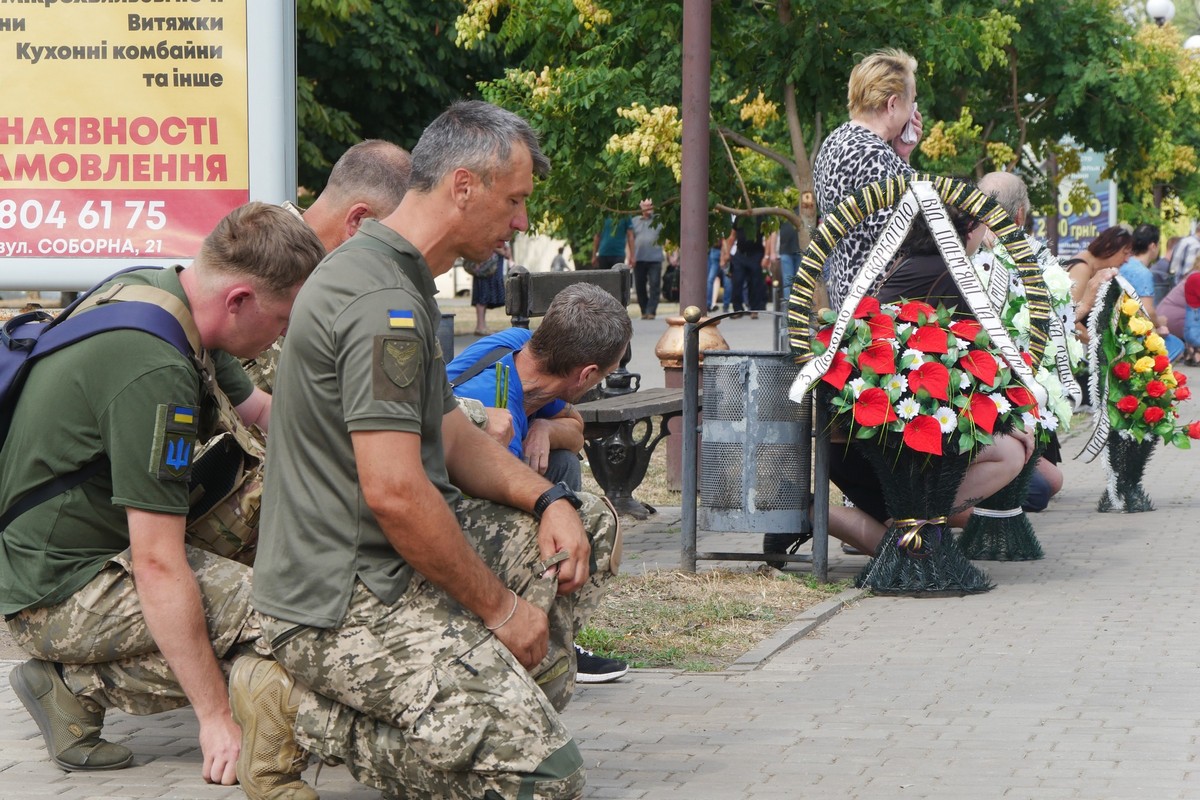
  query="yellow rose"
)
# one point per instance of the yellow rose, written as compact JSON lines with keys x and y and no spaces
{"x":1140,"y":326}
{"x":1168,"y":378}
{"x":1155,"y":344}
{"x":1129,"y":306}
{"x":1143,"y":364}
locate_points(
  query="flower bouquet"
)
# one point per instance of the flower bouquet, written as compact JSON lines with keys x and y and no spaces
{"x":999,"y":529}
{"x":1132,"y":373}
{"x":919,"y":394}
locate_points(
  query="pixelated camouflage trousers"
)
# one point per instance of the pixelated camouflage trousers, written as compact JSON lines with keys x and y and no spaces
{"x":109,"y":658}
{"x":419,"y":699}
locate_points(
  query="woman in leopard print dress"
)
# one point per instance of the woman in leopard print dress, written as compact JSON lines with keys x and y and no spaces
{"x":882,"y":99}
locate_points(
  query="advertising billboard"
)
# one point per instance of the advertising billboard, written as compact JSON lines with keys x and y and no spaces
{"x":128,"y":129}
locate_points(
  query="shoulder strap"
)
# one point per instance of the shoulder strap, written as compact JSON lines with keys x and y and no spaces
{"x":486,"y":360}
{"x":52,"y":489}
{"x":154,"y":296}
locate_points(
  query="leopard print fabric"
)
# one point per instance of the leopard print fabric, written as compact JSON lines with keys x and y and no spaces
{"x":850,"y":158}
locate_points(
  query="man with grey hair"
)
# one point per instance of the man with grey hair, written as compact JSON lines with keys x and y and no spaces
{"x":422,"y":638}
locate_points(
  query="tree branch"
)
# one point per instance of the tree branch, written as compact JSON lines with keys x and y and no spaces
{"x":765,"y":211}
{"x":736,"y":172}
{"x":743,"y":141}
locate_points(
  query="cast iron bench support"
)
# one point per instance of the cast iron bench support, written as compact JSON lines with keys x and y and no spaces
{"x":617,"y":452}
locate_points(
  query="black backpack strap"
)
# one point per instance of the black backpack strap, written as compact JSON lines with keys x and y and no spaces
{"x":52,"y":489}
{"x":486,"y":360}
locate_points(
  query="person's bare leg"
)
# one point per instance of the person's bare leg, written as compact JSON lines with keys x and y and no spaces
{"x":856,"y":528}
{"x":480,"y":319}
{"x":992,"y":470}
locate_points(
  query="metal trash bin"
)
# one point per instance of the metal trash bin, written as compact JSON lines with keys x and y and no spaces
{"x":753,"y":470}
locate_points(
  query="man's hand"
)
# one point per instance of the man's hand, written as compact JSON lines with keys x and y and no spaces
{"x":220,"y":743}
{"x":500,"y":425}
{"x":561,"y":530}
{"x":537,"y":446}
{"x":526,"y":634}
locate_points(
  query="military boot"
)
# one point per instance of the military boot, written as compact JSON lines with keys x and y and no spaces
{"x":72,"y":733}
{"x":270,"y":763}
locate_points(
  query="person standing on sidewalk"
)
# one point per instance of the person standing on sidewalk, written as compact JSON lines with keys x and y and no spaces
{"x":96,"y":583}
{"x":746,"y":254}
{"x":647,"y":259}
{"x":421,"y":637}
{"x":530,"y":381}
{"x":613,"y":243}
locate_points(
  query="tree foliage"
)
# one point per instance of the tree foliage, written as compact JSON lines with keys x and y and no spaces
{"x":378,"y":69}
{"x":1000,"y":84}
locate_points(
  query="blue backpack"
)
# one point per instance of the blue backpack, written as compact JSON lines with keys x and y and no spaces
{"x":28,"y":337}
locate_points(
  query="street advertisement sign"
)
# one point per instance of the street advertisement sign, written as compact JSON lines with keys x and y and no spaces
{"x":128,"y":129}
{"x":1077,"y":230}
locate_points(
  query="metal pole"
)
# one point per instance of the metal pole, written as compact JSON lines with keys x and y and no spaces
{"x":693,"y":221}
{"x":820,"y":547}
{"x":690,"y":430}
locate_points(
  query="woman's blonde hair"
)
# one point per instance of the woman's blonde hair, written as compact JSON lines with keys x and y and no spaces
{"x":876,"y":78}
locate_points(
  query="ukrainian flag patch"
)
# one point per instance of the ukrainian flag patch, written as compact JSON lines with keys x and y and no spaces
{"x":400,"y":319}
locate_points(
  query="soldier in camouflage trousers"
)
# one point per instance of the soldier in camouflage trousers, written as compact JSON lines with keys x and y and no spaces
{"x":420,"y":587}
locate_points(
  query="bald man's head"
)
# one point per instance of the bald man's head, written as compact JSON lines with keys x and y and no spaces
{"x":1010,"y":192}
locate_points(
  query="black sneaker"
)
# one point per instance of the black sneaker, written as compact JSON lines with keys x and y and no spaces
{"x":783,"y":543}
{"x":597,"y":669}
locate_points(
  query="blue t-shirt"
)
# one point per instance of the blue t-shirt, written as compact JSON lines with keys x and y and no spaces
{"x":483,"y":386}
{"x":613,"y":236}
{"x":1139,"y":276}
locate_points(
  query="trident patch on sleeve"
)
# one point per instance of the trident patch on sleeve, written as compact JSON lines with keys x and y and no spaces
{"x":175,"y":431}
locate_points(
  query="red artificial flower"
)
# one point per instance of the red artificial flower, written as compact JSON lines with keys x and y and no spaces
{"x":1127,"y":404}
{"x":1182,"y":393}
{"x":982,"y":412}
{"x":1122,"y":370}
{"x":873,"y":408}
{"x":825,"y":335}
{"x":1153,"y":414}
{"x":981,"y":364}
{"x":1161,"y":363}
{"x":878,"y":356}
{"x":912,"y":311}
{"x":966,"y":329}
{"x":882,"y":327}
{"x":928,"y":339}
{"x":924,"y":434}
{"x":867,"y":307}
{"x":1028,"y":359}
{"x":1156,"y":388}
{"x":1020,"y":396}
{"x":1180,"y":379}
{"x":1193,"y":430}
{"x":838,"y":372}
{"x":933,"y":377}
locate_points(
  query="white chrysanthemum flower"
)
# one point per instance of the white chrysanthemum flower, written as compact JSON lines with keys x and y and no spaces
{"x":896,"y":384}
{"x":902,"y":328}
{"x":911,"y":358}
{"x":946,"y":418}
{"x":857,"y":385}
{"x":1002,"y":404}
{"x":890,"y":308}
{"x":964,"y":381}
{"x":1030,"y":421}
{"x":908,"y":408}
{"x":1050,"y":422}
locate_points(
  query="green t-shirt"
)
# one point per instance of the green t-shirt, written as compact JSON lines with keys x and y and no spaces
{"x":100,"y":396}
{"x":361,"y":354}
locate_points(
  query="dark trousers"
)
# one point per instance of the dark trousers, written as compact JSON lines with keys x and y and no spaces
{"x":606,"y":262}
{"x":748,"y":285}
{"x":647,"y":279}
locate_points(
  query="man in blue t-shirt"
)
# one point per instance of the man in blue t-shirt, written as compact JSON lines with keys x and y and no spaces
{"x":1137,"y":271}
{"x":536,"y":376}
{"x":613,"y":243}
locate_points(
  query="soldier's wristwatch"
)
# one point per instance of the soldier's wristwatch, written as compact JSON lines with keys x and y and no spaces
{"x":559,"y":491}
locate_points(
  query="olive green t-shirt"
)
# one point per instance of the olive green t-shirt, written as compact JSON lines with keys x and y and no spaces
{"x":100,"y":396}
{"x":361,"y":354}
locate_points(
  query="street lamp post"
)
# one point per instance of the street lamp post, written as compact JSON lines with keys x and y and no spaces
{"x":1161,"y":11}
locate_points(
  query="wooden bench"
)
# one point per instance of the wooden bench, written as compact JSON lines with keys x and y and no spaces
{"x":617,"y":452}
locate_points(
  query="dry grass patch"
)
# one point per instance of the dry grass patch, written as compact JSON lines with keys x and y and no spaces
{"x":698,"y":623}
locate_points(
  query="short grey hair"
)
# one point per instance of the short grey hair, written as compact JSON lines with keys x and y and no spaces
{"x":473,"y":135}
{"x":584,"y":325}
{"x":375,"y":172}
{"x":1009,"y":191}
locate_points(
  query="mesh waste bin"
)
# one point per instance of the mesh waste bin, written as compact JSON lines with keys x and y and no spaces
{"x":754,"y":445}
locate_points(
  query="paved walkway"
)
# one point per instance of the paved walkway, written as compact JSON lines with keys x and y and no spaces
{"x":1075,"y":677}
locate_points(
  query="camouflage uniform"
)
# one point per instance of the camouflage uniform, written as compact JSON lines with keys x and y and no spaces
{"x":263,"y":368}
{"x":419,"y":699}
{"x":108,"y":656}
